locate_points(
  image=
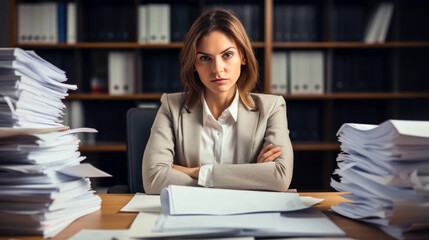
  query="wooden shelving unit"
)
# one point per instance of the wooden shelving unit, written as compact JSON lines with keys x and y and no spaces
{"x":130,"y":45}
{"x":327,"y":96}
{"x":103,"y":147}
{"x":398,"y":46}
{"x":118,"y":147}
{"x":293,"y":45}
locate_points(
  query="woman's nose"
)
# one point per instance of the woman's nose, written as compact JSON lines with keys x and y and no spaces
{"x":218,"y":65}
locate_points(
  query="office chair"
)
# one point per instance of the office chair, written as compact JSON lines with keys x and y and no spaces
{"x":139,"y":124}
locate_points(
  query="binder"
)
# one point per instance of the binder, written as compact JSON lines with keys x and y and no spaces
{"x":159,"y":23}
{"x":279,"y":73}
{"x":71,"y":22}
{"x":142,"y":24}
{"x":121,"y":76}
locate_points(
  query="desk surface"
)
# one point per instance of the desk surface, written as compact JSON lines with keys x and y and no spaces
{"x":109,"y":217}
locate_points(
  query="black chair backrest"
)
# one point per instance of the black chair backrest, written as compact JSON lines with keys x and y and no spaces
{"x":139,"y":124}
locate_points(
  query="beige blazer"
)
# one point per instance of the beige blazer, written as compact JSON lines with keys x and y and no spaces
{"x":175,"y":138}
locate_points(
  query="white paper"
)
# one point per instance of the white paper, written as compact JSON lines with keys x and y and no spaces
{"x":142,"y":202}
{"x":145,"y":222}
{"x":177,"y":200}
{"x":8,"y":132}
{"x":95,"y":234}
{"x":84,"y":170}
{"x":307,"y":222}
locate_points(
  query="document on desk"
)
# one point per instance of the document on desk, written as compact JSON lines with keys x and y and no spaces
{"x":97,"y":234}
{"x":142,"y":202}
{"x":184,"y":200}
{"x":309,"y":222}
{"x":145,"y":222}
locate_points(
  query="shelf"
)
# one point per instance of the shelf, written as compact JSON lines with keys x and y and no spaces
{"x":111,"y":147}
{"x":333,"y":96}
{"x":92,"y":96}
{"x":173,"y":45}
{"x":103,"y":147}
{"x":348,"y":44}
{"x":326,"y":96}
{"x":316,"y":146}
{"x":124,"y":45}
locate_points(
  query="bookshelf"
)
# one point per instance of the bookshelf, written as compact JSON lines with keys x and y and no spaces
{"x":404,"y":91}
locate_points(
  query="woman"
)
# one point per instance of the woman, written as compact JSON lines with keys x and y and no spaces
{"x":216,"y":133}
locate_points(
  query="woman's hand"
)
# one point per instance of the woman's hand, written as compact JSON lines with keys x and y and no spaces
{"x":192,"y":172}
{"x":269,"y":154}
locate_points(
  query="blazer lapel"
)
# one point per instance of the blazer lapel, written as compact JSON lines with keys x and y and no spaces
{"x":246,"y":129}
{"x":192,"y":127}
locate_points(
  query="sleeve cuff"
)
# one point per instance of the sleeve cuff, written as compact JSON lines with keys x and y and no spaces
{"x":205,"y":177}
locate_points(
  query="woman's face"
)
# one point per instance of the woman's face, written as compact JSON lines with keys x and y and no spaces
{"x":218,"y":63}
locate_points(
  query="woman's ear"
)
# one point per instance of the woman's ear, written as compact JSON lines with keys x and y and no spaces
{"x":243,"y":61}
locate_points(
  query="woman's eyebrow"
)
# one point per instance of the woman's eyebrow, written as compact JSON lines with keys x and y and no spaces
{"x":203,"y":53}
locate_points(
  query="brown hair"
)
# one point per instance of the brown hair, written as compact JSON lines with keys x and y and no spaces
{"x":226,"y":22}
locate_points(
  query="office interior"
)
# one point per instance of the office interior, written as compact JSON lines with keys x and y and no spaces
{"x":360,"y":82}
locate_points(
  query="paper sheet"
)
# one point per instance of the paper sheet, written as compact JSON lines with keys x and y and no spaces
{"x":8,"y":132}
{"x":145,"y":222}
{"x":84,"y":170}
{"x":142,"y":202}
{"x":96,"y":234}
{"x":179,"y":200}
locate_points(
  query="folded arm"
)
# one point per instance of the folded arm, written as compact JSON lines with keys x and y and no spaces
{"x":265,"y":174}
{"x":158,"y":170}
{"x":271,"y":170}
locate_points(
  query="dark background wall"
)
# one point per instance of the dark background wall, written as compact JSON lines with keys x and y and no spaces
{"x":4,"y":23}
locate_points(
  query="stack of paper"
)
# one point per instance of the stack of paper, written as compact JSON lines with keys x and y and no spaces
{"x":31,"y":90}
{"x":43,"y":186}
{"x":190,"y":210}
{"x":386,"y":169}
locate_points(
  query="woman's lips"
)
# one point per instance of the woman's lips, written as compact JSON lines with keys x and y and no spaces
{"x":219,"y":80}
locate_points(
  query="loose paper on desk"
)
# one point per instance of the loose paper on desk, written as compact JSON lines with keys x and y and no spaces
{"x":96,"y":234}
{"x":181,"y":200}
{"x":142,"y":202}
{"x":145,"y":222}
{"x":307,"y":222}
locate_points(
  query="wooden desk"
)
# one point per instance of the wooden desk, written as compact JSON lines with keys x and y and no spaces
{"x":109,"y":217}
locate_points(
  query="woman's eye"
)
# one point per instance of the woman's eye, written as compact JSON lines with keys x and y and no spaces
{"x":204,"y":58}
{"x":228,"y":55}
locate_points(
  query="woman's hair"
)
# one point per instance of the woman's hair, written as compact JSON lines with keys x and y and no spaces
{"x":226,"y":22}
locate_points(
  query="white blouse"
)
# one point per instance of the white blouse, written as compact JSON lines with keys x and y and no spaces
{"x":218,"y":140}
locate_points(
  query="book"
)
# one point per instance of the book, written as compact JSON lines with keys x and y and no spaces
{"x":279,"y":81}
{"x":378,"y":24}
{"x":142,"y":25}
{"x":348,"y":22}
{"x":158,"y":23}
{"x":71,"y":22}
{"x":121,"y":76}
{"x":387,"y":17}
{"x":306,"y":72}
{"x":23,"y":23}
{"x":180,"y":21}
{"x":304,"y":121}
{"x":62,"y":27}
